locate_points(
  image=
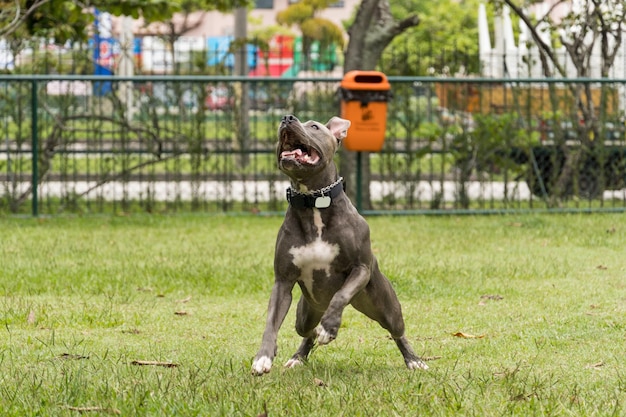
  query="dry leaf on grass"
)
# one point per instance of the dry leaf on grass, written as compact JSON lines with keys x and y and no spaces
{"x":181,"y":313}
{"x":507,"y":372}
{"x":467,"y":336}
{"x":95,"y":410}
{"x":318,"y":382}
{"x":484,"y":298}
{"x":495,"y":297}
{"x":70,"y":356}
{"x":523,"y":396}
{"x":596,"y":365}
{"x":602,"y":267}
{"x":185,"y":300}
{"x":154,"y":363}
{"x":31,"y":318}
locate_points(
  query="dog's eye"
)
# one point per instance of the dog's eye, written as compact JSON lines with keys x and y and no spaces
{"x":316,"y":127}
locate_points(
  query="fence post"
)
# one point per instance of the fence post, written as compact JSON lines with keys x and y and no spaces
{"x":359,"y":182}
{"x":34,"y":148}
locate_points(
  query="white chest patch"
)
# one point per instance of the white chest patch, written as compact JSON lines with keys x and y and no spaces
{"x":315,"y":256}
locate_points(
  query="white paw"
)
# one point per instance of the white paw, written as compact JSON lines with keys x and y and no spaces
{"x":323,"y":337}
{"x":417,"y":364}
{"x":261,"y":366}
{"x":293,"y":362}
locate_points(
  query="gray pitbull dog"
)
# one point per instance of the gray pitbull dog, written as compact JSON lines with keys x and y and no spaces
{"x":324,"y":246}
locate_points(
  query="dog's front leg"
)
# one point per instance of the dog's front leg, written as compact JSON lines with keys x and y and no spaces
{"x":331,"y":320}
{"x":279,"y":304}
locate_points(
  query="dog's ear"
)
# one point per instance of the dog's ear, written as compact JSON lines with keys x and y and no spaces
{"x":338,"y":127}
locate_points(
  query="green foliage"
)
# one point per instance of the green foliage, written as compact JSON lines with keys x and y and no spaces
{"x":493,"y":131}
{"x":323,"y":30}
{"x":295,"y":14}
{"x":304,"y":15}
{"x":64,"y":20}
{"x":495,"y":137}
{"x":487,"y":144}
{"x":444,"y":40}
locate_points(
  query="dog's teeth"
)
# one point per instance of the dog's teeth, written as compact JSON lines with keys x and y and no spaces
{"x":294,"y":153}
{"x":303,"y":155}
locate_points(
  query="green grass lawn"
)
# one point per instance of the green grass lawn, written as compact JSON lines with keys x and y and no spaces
{"x":541,"y":300}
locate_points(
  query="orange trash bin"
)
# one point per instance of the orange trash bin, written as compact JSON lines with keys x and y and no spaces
{"x":364,"y":96}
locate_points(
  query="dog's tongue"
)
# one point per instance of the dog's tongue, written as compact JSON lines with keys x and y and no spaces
{"x":300,"y":156}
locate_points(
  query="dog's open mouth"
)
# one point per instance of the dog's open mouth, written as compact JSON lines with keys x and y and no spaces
{"x":310,"y":156}
{"x":299,"y":152}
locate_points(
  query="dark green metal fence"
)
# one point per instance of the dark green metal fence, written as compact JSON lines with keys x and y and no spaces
{"x":206,"y":143}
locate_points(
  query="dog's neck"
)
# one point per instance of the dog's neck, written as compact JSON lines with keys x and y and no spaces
{"x":316,"y":182}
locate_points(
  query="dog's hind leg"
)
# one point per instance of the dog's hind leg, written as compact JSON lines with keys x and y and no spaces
{"x":380,"y":303}
{"x":411,"y":360}
{"x":394,"y":323}
{"x":302,"y":353}
{"x":307,"y":320}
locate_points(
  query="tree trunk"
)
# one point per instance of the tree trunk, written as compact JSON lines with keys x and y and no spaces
{"x":373,"y":29}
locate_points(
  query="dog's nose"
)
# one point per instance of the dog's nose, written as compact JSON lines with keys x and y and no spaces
{"x":289,"y":118}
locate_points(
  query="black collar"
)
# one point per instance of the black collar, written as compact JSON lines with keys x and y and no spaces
{"x":315,"y":199}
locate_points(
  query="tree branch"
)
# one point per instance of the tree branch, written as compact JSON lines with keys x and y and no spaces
{"x":20,"y":19}
{"x":544,"y":49}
